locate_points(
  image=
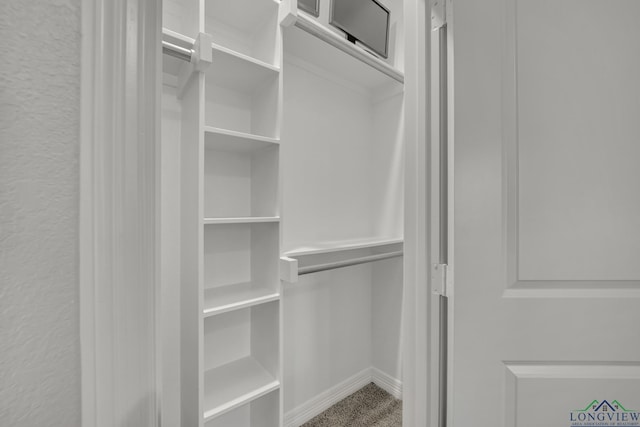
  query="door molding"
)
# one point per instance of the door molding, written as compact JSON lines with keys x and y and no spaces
{"x":418,"y":405}
{"x":120,"y":84}
{"x":516,"y":287}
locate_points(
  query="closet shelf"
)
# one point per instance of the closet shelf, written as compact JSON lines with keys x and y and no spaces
{"x":236,"y":296}
{"x":313,"y":43}
{"x":221,"y":50}
{"x":232,"y":68}
{"x":230,"y":140}
{"x":235,"y":384}
{"x":238,"y":72}
{"x":241,"y":220}
{"x":336,"y":255}
{"x":342,"y":245}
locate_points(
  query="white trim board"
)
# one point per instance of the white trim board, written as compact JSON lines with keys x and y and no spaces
{"x":330,"y":397}
{"x":391,"y":385}
{"x":118,"y":262}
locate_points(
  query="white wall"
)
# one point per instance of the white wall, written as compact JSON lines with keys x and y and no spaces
{"x":326,"y":166}
{"x":327,"y":331}
{"x":386,"y":317}
{"x":387,"y":198}
{"x":39,"y":128}
{"x":326,"y":161}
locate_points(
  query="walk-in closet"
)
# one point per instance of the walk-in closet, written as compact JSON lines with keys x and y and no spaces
{"x":283,"y":173}
{"x":319,"y":213}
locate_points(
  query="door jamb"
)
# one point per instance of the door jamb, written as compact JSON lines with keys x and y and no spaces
{"x":119,"y":296}
{"x":441,"y":261}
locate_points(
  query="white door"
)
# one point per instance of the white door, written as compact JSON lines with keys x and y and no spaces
{"x":545,"y":307}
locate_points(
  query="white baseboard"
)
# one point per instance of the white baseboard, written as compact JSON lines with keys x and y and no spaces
{"x":386,"y":382}
{"x":328,"y":398}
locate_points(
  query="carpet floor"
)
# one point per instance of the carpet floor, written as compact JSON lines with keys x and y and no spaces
{"x":370,"y":406}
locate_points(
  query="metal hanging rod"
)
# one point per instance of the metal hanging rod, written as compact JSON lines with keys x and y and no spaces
{"x":347,"y":263}
{"x":177,"y":51}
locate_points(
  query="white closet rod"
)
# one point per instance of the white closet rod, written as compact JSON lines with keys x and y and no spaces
{"x":177,"y":51}
{"x":347,"y":263}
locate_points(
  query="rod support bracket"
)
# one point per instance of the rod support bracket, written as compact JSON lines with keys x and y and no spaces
{"x":288,"y":269}
{"x":203,"y":54}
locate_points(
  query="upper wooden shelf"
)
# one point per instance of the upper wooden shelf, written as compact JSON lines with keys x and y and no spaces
{"x":336,"y":255}
{"x":342,"y":245}
{"x":313,"y":43}
{"x":240,"y":142}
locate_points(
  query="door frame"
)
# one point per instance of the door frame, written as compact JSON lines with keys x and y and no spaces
{"x":419,"y":401}
{"x":441,"y":213}
{"x":121,"y":373}
{"x":119,"y":295}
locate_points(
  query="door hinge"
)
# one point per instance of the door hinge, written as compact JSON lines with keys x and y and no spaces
{"x":439,"y":279}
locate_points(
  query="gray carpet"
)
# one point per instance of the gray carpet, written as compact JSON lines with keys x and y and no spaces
{"x":370,"y":406}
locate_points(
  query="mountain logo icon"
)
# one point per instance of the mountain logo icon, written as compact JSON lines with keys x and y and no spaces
{"x":604,"y":413}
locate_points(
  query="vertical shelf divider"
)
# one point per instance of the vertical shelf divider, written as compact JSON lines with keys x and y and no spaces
{"x":231,"y":293}
{"x":191,"y":254}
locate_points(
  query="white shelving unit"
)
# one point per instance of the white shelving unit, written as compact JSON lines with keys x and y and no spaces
{"x":331,"y":191}
{"x":230,"y":234}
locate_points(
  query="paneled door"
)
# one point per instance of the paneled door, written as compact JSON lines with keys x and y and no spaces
{"x":545,"y":306}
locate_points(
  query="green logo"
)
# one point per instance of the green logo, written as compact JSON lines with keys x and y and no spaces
{"x":603,"y":413}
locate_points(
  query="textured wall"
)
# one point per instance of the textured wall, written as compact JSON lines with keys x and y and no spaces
{"x":39,"y":144}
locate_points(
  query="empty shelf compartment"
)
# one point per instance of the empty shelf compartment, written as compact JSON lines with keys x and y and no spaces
{"x":242,"y":98}
{"x":240,"y":259}
{"x":240,"y":176}
{"x":241,"y":357}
